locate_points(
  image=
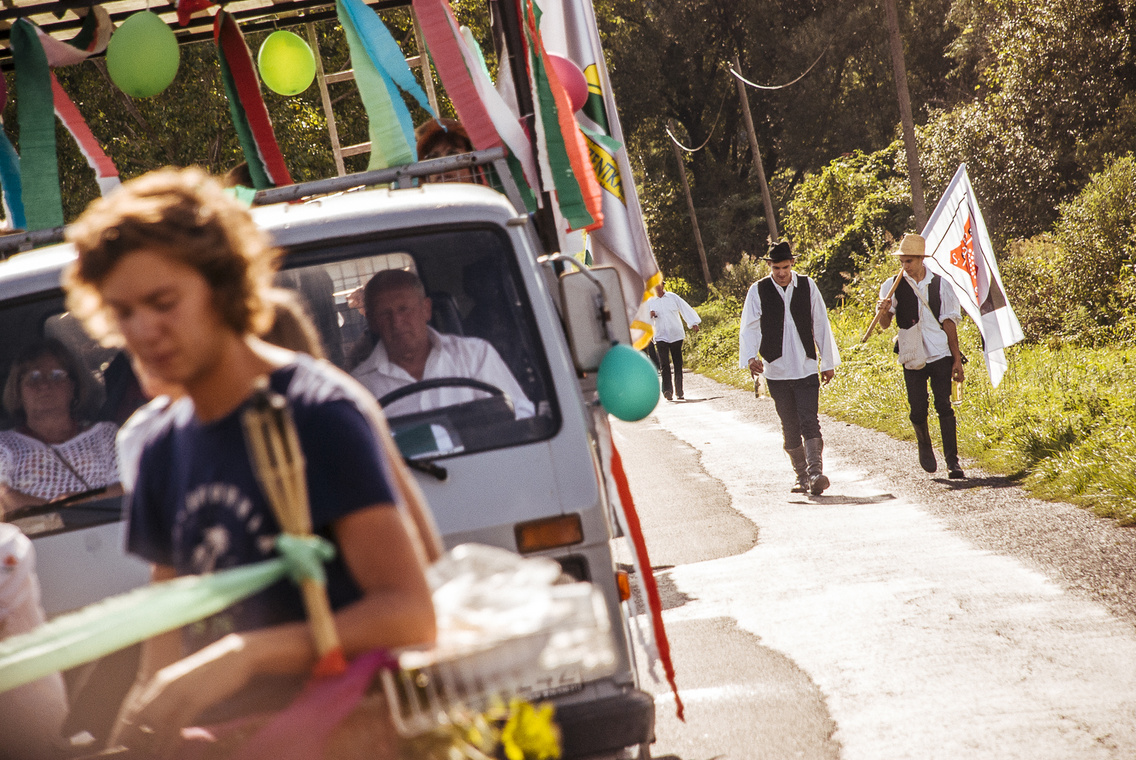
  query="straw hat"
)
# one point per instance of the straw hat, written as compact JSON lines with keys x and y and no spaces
{"x":911,"y":245}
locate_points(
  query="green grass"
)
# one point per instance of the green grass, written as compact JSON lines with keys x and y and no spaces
{"x":1063,"y":420}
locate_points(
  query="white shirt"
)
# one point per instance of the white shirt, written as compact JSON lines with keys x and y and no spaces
{"x":934,"y":339}
{"x":794,"y":363}
{"x":47,"y":471}
{"x":450,"y":356}
{"x":668,"y":307}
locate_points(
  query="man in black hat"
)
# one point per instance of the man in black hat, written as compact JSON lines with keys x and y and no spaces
{"x":785,"y":334}
{"x":926,"y":310}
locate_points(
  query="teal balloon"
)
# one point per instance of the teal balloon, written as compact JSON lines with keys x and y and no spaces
{"x":287,"y":65}
{"x":142,"y":56}
{"x":628,"y":383}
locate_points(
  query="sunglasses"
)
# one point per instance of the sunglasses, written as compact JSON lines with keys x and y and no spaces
{"x":40,"y":377}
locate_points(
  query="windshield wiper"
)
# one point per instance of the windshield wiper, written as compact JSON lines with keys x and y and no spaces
{"x":429,"y":468}
{"x":63,"y":502}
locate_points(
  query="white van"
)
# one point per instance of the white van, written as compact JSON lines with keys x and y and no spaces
{"x":533,"y":484}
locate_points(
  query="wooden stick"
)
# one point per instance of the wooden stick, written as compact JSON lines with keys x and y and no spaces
{"x":278,"y":462}
{"x":880,"y":311}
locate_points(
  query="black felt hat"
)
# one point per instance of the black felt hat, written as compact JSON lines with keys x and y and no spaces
{"x":778,"y":252}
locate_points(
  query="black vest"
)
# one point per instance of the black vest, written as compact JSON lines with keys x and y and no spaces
{"x":907,"y":302}
{"x":773,"y":317}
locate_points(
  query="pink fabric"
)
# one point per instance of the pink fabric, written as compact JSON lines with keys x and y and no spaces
{"x":301,"y":730}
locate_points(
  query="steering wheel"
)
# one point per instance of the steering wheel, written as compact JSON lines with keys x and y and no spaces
{"x":440,"y":382}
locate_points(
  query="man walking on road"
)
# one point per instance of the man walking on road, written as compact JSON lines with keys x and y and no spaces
{"x":926,"y":313}
{"x":668,"y":312}
{"x":785,"y":334}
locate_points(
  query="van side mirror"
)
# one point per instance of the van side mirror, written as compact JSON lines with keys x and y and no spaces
{"x":595,"y":314}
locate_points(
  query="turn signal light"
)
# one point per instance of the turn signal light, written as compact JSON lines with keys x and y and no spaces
{"x":549,"y":533}
{"x":623,"y":581}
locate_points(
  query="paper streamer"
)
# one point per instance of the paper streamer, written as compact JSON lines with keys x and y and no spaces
{"x":250,"y":117}
{"x":388,"y":121}
{"x":10,"y":172}
{"x":39,"y":167}
{"x":120,"y":621}
{"x":105,"y":172}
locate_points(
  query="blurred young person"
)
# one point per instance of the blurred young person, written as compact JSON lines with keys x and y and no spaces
{"x":174,"y":268}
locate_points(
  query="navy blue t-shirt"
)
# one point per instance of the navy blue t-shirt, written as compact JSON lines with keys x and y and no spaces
{"x":197,"y":506}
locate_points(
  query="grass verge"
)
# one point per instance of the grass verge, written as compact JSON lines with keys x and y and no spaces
{"x":1063,"y":420}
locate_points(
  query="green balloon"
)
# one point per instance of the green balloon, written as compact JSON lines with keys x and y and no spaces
{"x":142,"y":57}
{"x":628,"y":383}
{"x":286,"y":63}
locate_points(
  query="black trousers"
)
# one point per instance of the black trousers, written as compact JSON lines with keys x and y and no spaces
{"x":669,"y":352}
{"x":938,"y":373}
{"x":796,"y":402}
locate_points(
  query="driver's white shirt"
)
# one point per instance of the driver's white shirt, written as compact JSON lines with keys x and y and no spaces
{"x":450,"y":356}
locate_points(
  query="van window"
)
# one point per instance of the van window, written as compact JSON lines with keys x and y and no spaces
{"x":485,"y":384}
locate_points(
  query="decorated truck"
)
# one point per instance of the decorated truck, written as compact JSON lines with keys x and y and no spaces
{"x":540,"y":251}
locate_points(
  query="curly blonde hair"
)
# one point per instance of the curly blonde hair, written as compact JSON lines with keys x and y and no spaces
{"x":187,"y":215}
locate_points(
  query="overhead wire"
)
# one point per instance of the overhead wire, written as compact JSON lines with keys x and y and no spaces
{"x":787,"y":84}
{"x":707,"y":140}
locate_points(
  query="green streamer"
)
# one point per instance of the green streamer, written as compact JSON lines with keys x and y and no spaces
{"x":120,"y":621}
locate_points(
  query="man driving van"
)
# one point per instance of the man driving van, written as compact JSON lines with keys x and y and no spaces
{"x":409,"y":351}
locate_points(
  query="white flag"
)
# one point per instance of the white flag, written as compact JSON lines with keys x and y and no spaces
{"x":568,"y":27}
{"x":959,"y":249}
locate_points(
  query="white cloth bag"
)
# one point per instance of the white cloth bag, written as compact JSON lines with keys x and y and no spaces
{"x":912,"y":354}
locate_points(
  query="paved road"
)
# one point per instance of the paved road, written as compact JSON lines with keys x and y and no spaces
{"x":896,"y":616}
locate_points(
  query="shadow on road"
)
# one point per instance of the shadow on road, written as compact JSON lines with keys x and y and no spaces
{"x":835,"y":499}
{"x":987,"y":482}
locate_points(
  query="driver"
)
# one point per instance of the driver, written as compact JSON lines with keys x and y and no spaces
{"x":409,"y":351}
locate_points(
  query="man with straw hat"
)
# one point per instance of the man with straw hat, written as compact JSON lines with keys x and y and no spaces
{"x":785,"y":334}
{"x":926,"y":310}
{"x":175,"y":268}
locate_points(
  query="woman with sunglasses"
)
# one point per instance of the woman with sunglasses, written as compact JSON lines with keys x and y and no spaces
{"x":54,"y":450}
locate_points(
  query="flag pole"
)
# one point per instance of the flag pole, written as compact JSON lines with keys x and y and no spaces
{"x":880,"y":311}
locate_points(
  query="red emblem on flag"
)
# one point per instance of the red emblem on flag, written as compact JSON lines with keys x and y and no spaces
{"x":963,"y":257}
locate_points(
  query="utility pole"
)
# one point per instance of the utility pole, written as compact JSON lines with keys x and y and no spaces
{"x":770,"y":219}
{"x":913,"y":172}
{"x":690,"y":206}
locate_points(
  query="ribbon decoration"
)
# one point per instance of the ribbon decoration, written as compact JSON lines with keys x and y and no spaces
{"x":120,"y":621}
{"x":105,"y":172}
{"x":564,"y":151}
{"x":487,"y":118}
{"x":380,"y":70}
{"x":39,"y":166}
{"x":628,"y":519}
{"x":10,"y":172}
{"x":186,"y":8}
{"x":92,"y":38}
{"x":250,"y":116}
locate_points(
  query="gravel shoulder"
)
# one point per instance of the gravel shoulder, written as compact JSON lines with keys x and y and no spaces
{"x":1090,"y":556}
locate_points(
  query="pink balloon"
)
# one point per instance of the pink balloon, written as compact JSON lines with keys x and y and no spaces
{"x":572,"y":79}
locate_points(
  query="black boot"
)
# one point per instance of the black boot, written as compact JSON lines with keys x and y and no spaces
{"x":949,"y":429}
{"x":818,"y":481}
{"x":926,"y":450}
{"x":800,"y":468}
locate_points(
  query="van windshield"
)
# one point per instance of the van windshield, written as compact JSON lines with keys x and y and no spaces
{"x":436,"y":325}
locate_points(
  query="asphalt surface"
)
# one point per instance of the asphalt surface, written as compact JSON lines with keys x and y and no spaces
{"x":897,"y":615}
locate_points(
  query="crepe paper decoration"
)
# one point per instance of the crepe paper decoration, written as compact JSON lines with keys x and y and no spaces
{"x":10,"y":172}
{"x":105,"y":172}
{"x":301,"y":731}
{"x":577,"y":191}
{"x":39,"y":167}
{"x":250,"y":117}
{"x":143,"y":55}
{"x":186,"y":9}
{"x":286,"y":63}
{"x":120,"y":621}
{"x":628,"y":518}
{"x":486,"y":116}
{"x":92,"y":38}
{"x":389,"y":124}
